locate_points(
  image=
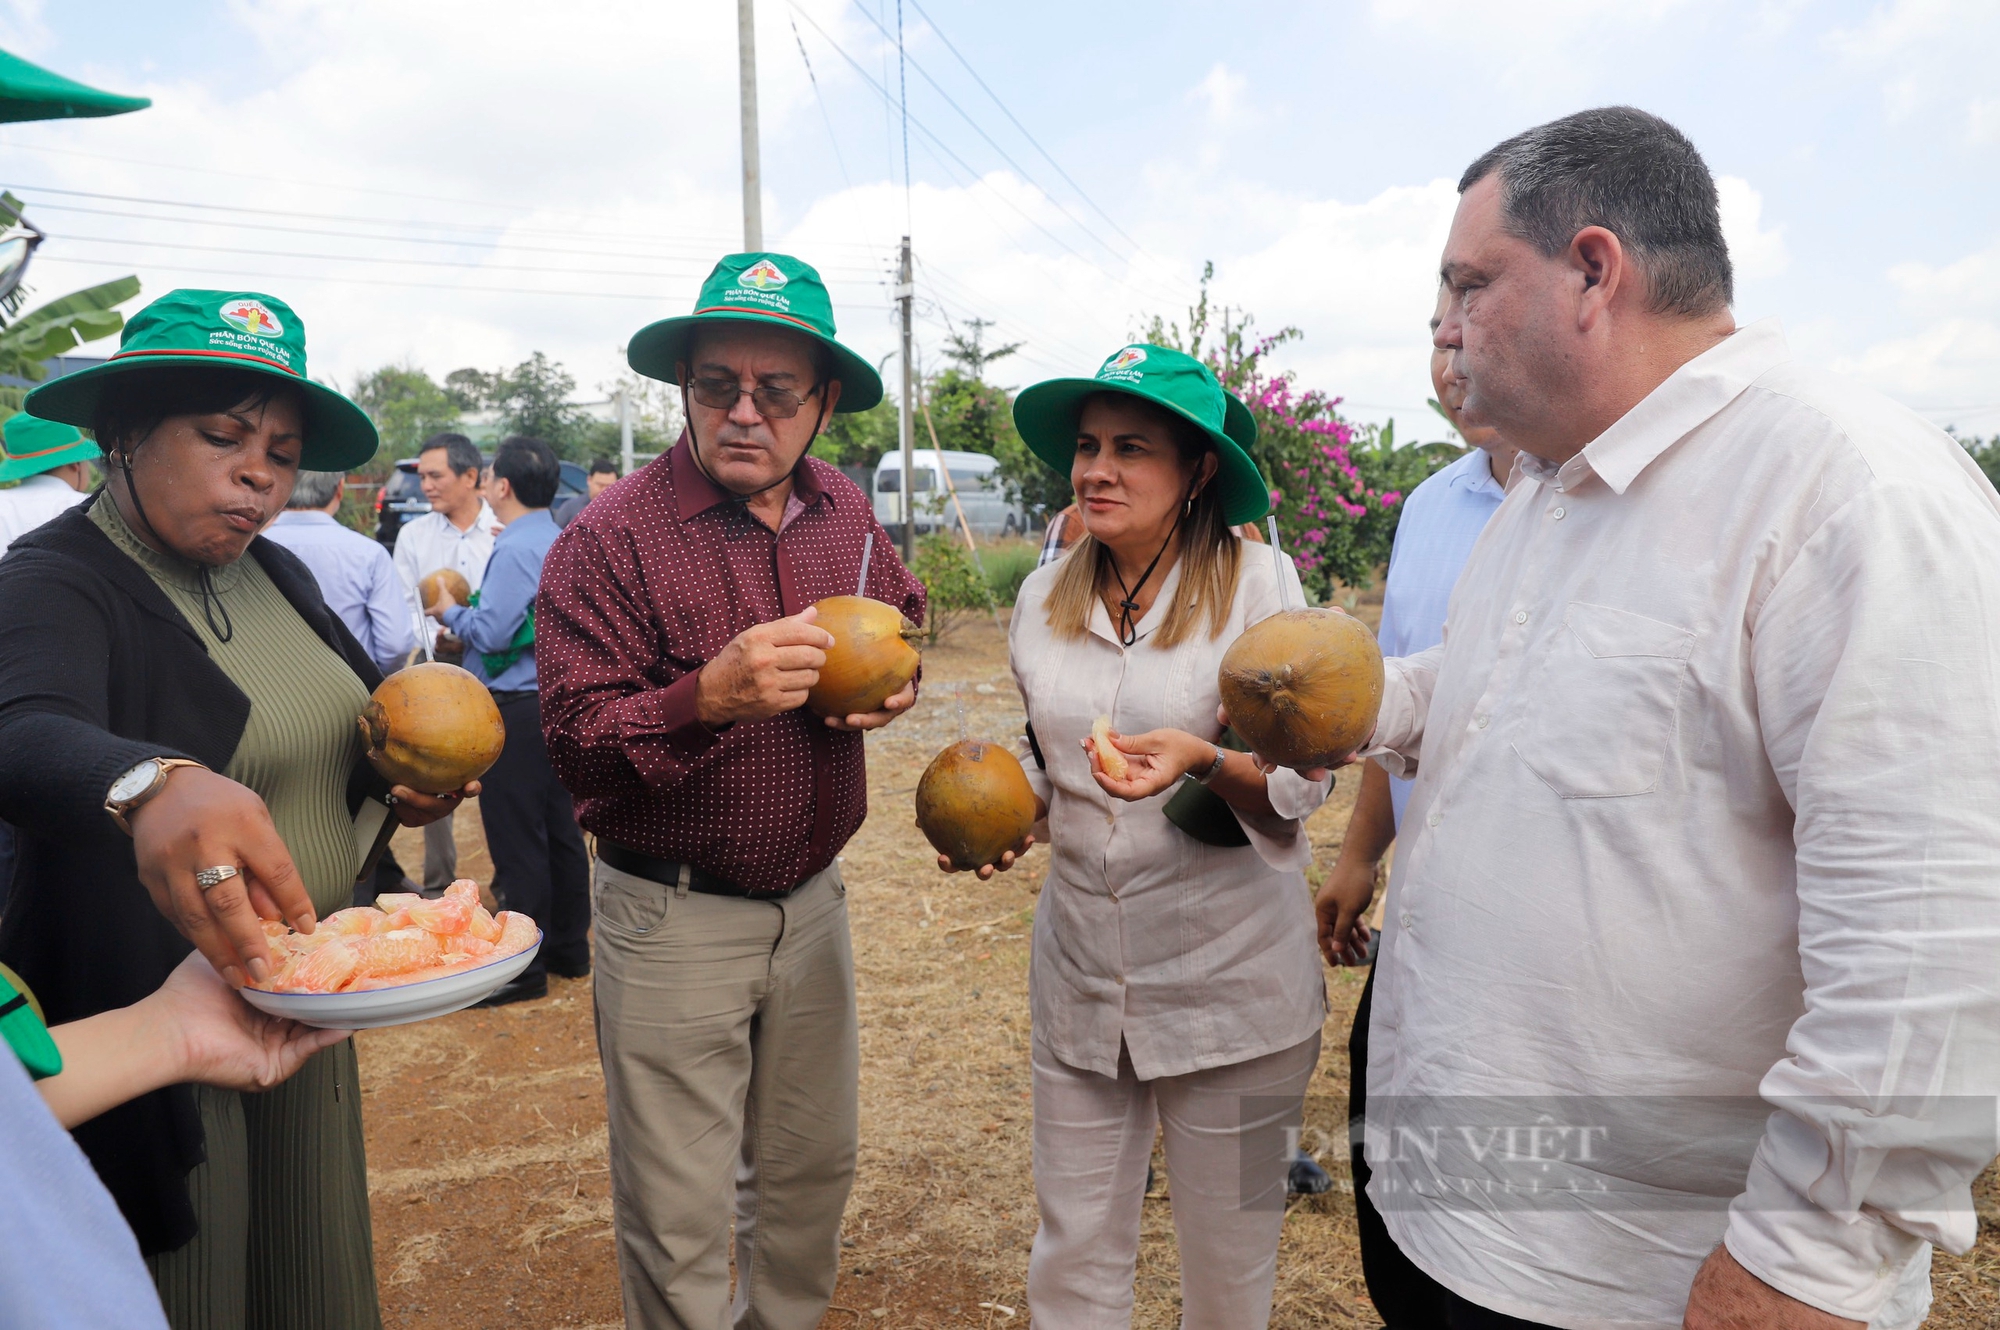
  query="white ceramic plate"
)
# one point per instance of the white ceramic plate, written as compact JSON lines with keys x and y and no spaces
{"x":394,"y":1006}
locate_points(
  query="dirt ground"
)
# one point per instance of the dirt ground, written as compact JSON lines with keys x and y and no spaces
{"x":486,"y":1134}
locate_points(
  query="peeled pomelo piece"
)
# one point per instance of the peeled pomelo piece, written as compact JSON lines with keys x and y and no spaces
{"x":1108,"y":755}
{"x":517,"y":932}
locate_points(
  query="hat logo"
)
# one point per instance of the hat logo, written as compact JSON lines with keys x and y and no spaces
{"x":252,"y":316}
{"x":1125,"y":359}
{"x":763,"y":275}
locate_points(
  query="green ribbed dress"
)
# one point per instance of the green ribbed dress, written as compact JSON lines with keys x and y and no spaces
{"x":285,"y":1242}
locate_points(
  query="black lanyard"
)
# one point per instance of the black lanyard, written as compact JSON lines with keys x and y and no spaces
{"x":1128,"y":631}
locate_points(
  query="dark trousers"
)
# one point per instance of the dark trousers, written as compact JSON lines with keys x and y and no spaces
{"x":6,"y":863}
{"x":540,"y":866}
{"x":1404,"y":1296}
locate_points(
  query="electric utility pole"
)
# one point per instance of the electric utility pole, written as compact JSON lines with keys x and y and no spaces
{"x":746,"y":67}
{"x":905,"y":291}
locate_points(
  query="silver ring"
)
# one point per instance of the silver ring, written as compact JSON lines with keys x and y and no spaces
{"x":210,"y":878}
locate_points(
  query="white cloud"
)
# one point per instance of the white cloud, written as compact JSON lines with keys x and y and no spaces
{"x":1754,"y":251}
{"x":1221,"y":90}
{"x":1932,"y":56}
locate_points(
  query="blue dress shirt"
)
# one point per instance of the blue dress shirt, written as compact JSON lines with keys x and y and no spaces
{"x":358,"y":579}
{"x":513,"y":576}
{"x":1441,"y":520}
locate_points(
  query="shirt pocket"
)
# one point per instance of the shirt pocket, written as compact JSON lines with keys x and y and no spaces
{"x":1606,"y":703}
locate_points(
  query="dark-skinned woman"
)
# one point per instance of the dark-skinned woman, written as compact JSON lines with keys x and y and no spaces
{"x":178,"y":746}
{"x":1175,"y":979}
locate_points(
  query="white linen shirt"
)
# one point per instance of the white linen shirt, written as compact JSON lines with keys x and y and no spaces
{"x":36,"y":500}
{"x":1708,"y":804}
{"x":1193,"y":955}
{"x":429,"y":542}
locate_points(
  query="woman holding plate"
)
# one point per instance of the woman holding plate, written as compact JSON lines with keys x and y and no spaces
{"x":179,"y":747}
{"x":1175,"y":978}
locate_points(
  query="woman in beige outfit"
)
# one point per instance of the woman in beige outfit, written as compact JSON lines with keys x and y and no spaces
{"x":1174,"y":980}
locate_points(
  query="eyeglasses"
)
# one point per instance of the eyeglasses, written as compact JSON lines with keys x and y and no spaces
{"x":772,"y":403}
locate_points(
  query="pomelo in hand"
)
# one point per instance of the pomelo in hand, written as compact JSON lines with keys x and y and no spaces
{"x":1302,"y":687}
{"x":871,"y":658}
{"x":448,"y":578}
{"x":974,"y":803}
{"x":432,"y":727}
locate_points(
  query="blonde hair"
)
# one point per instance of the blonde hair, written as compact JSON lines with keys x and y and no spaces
{"x":1210,"y":552}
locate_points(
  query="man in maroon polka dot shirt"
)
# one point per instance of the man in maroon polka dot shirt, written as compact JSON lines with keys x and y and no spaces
{"x":676,"y":642}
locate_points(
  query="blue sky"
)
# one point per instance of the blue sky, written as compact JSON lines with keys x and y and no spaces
{"x":538,"y":176}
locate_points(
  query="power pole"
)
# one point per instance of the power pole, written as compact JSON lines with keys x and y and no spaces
{"x":746,"y":66}
{"x":905,"y":292}
{"x":625,"y":458}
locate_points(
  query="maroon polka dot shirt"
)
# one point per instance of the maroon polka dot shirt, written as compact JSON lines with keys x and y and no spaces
{"x":649,"y":582}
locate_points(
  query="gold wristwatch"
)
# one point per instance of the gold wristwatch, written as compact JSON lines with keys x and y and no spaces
{"x":138,"y":785}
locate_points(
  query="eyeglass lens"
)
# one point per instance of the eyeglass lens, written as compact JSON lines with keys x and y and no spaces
{"x":771,"y":403}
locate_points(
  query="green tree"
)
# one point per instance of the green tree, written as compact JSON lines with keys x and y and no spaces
{"x":859,"y":438}
{"x":953,"y":586}
{"x":533,"y":398}
{"x":473,"y":389}
{"x":1339,"y":486}
{"x":1985,"y":453}
{"x":407,"y":406}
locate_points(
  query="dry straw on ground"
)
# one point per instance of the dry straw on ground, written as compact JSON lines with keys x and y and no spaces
{"x":486,"y":1129}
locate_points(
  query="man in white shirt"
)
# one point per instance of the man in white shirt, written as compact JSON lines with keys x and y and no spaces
{"x":457,"y":533}
{"x":1687,"y":1009}
{"x":51,"y":462}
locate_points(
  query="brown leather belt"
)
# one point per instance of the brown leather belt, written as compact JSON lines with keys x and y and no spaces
{"x":667,"y":872}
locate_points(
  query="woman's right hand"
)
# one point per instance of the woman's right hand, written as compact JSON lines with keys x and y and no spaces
{"x":986,"y":871}
{"x":203,"y":820}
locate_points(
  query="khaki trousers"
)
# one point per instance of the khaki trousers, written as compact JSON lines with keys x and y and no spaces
{"x":1227,"y":1148}
{"x":731,"y":1061}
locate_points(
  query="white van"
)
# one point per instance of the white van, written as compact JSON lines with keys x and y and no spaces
{"x":973,"y":476}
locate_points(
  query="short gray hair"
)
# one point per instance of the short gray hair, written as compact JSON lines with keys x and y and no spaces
{"x":1634,"y":175}
{"x":314,"y":489}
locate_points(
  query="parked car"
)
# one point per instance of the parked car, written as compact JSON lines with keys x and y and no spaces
{"x":402,"y":495}
{"x":973,"y":476}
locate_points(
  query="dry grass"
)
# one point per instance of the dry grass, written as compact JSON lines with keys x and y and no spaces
{"x":486,"y":1128}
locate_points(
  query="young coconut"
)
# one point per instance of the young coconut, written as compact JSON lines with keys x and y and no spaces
{"x":974,"y":803}
{"x":432,"y":727}
{"x":1302,"y":687}
{"x":870,"y":660}
{"x":450,"y":578}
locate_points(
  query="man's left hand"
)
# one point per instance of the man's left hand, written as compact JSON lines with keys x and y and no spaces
{"x":892,"y":707}
{"x":445,"y":601}
{"x":1725,"y":1296}
{"x":416,"y":809}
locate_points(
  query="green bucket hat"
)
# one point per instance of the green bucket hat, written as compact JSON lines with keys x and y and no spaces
{"x":237,"y":329}
{"x":1046,"y":416}
{"x":30,"y":446}
{"x":772,"y":289}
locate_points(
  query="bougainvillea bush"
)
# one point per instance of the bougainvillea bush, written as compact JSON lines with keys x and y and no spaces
{"x":1337,"y":487}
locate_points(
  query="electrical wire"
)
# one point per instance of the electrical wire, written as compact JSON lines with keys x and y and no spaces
{"x":976,"y":178}
{"x":831,"y":137}
{"x":240,"y":276}
{"x":950,"y":46}
{"x":1005,"y":156}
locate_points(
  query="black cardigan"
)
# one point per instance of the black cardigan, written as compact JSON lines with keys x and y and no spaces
{"x":99,"y":671}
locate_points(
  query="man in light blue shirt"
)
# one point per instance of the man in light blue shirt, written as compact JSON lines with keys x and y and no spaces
{"x":540,"y":866}
{"x":355,"y":574}
{"x":1441,"y":522}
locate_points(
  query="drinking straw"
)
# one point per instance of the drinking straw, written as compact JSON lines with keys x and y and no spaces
{"x":1278,"y":566}
{"x":867,"y":549}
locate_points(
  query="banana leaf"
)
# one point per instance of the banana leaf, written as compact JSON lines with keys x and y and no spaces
{"x":62,"y":325}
